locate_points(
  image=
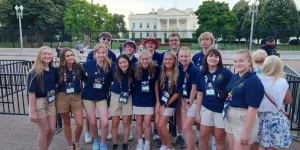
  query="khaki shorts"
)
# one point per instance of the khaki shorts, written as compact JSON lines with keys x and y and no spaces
{"x":234,"y":123}
{"x":191,"y":112}
{"x":68,"y":102}
{"x":43,"y":108}
{"x":143,"y":110}
{"x":118,"y":109}
{"x":168,"y":112}
{"x":210,"y":118}
{"x":94,"y":103}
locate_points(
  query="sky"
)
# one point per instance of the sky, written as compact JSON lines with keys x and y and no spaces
{"x":125,"y":7}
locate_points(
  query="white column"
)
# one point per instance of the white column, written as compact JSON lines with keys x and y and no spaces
{"x":177,"y":23}
{"x":158,"y":28}
{"x":168,"y":27}
{"x":187,"y":27}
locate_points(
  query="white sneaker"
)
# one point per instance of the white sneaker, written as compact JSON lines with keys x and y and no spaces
{"x":163,"y":147}
{"x":139,"y":147}
{"x":155,"y":135}
{"x":109,"y":137}
{"x":146,"y":147}
{"x":130,"y":138}
{"x":213,"y":143}
{"x":197,"y":138}
{"x":88,"y":138}
{"x":174,"y":139}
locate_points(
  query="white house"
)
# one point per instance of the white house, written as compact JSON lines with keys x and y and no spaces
{"x":162,"y":22}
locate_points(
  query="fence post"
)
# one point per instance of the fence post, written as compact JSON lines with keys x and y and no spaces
{"x":12,"y":33}
{"x":70,"y":39}
{"x":31,"y":38}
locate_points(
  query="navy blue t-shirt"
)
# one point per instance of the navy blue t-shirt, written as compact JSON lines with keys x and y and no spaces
{"x":111,"y":55}
{"x":177,"y":89}
{"x":145,"y":99}
{"x":221,"y":78}
{"x":198,"y":60}
{"x":95,"y":74}
{"x":157,"y":58}
{"x":248,"y":92}
{"x":133,"y":61}
{"x":72,"y":77}
{"x":48,"y":85}
{"x":189,"y":78}
{"x":126,"y":86}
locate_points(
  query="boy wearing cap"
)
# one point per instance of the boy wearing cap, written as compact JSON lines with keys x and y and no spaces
{"x":104,"y":38}
{"x":129,"y":48}
{"x":151,"y":44}
{"x":269,"y":47}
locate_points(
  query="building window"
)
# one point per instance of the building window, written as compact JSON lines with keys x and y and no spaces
{"x":194,"y":25}
{"x":147,"y":25}
{"x":155,"y":34}
{"x":133,"y":25}
{"x":147,"y":34}
{"x":165,"y":35}
{"x":141,"y":35}
{"x":141,"y":25}
{"x":154,"y":26}
{"x":133,"y":35}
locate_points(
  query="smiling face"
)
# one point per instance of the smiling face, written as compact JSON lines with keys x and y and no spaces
{"x":46,"y":55}
{"x":150,"y":46}
{"x":145,"y":60}
{"x":212,"y":59}
{"x":174,"y":42}
{"x":129,"y":49}
{"x":101,"y":54}
{"x":69,"y":57}
{"x":105,"y":40}
{"x":123,"y":64}
{"x":169,"y":61}
{"x":184,"y":57}
{"x":241,"y":62}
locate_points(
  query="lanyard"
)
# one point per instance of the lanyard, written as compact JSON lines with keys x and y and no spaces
{"x":66,"y":76}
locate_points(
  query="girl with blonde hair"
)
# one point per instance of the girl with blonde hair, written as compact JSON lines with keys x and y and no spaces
{"x":274,"y":127}
{"x":41,"y":89}
{"x":145,"y":97}
{"x":170,"y":86}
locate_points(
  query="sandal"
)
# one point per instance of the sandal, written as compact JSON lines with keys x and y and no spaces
{"x":70,"y":147}
{"x":74,"y":145}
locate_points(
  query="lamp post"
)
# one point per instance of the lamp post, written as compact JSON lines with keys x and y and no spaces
{"x":19,"y":13}
{"x":252,"y":11}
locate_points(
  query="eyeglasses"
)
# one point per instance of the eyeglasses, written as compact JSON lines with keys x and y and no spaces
{"x":105,"y":39}
{"x":174,"y":40}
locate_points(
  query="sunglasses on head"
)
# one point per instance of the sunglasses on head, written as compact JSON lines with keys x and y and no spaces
{"x":106,"y":39}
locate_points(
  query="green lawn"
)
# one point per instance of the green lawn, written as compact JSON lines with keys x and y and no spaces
{"x":194,"y":46}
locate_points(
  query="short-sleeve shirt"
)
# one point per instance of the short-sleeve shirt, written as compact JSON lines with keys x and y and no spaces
{"x":198,"y":59}
{"x":111,"y":55}
{"x":125,"y":86}
{"x":95,"y":74}
{"x":176,"y":89}
{"x":133,"y":61}
{"x":189,"y":78}
{"x":157,"y":58}
{"x":248,"y":92}
{"x":221,"y":78}
{"x":72,"y":77}
{"x":49,"y":82}
{"x":145,"y":99}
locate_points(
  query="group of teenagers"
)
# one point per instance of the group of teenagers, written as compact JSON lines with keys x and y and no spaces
{"x":244,"y":107}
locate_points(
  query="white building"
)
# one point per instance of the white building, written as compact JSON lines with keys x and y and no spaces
{"x":162,"y":23}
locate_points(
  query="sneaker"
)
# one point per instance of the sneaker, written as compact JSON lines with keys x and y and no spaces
{"x":115,"y":147}
{"x":130,"y":138}
{"x":158,"y":142}
{"x":103,"y":147}
{"x":96,"y":145}
{"x":163,"y":147}
{"x":180,"y":141}
{"x":146,"y":147}
{"x":155,"y":135}
{"x":125,"y":147}
{"x":213,"y":143}
{"x":139,"y":147}
{"x":88,"y":138}
{"x":197,"y":138}
{"x":109,"y":137}
{"x":174,"y":140}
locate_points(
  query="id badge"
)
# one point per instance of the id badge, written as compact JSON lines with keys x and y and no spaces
{"x":51,"y":96}
{"x":145,"y":86}
{"x":98,"y":84}
{"x":124,"y":97}
{"x":226,"y":104}
{"x":165,"y":97}
{"x":210,"y":92}
{"x":70,"y":87}
{"x":184,"y":91}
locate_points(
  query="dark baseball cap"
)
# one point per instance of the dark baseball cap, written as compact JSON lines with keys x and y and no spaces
{"x":269,"y":39}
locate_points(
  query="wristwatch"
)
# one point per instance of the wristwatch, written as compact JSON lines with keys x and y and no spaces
{"x":166,"y":105}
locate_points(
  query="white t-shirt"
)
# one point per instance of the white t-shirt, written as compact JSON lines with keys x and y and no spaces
{"x":275,"y":90}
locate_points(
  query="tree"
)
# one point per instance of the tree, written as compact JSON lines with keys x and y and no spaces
{"x":85,"y":17}
{"x":37,"y":15}
{"x":216,"y":16}
{"x":119,"y":26}
{"x":241,"y":10}
{"x":279,"y":16}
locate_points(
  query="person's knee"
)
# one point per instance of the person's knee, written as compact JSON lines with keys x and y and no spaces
{"x":104,"y":124}
{"x":44,"y":131}
{"x":220,"y":140}
{"x":79,"y":124}
{"x":51,"y":131}
{"x":160,"y":126}
{"x":204,"y":136}
{"x":115,"y":126}
{"x":126,"y":124}
{"x":148,"y":124}
{"x":186,"y":128}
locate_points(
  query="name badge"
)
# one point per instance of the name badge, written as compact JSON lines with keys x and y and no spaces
{"x":226,"y":104}
{"x":124,"y":97}
{"x":51,"y":96}
{"x":210,"y":91}
{"x":98,"y":84}
{"x":70,"y":87}
{"x":165,"y":97}
{"x":184,"y":91}
{"x":145,"y":86}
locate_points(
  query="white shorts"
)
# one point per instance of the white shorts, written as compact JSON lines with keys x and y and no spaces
{"x":191,"y":112}
{"x":168,"y":112}
{"x":210,"y":118}
{"x":143,"y":110}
